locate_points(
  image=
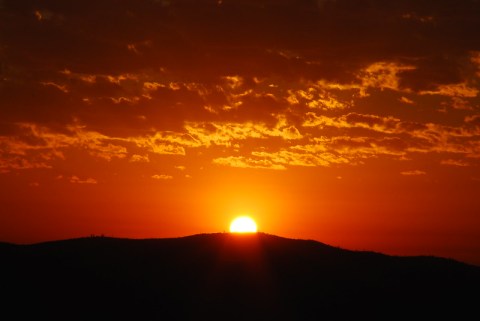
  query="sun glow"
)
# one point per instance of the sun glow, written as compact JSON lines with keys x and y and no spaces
{"x":243,"y":224}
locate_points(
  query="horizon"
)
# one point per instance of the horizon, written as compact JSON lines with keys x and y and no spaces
{"x":240,"y":235}
{"x":354,"y":123}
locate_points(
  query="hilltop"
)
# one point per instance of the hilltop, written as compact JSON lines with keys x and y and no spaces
{"x":227,"y":277}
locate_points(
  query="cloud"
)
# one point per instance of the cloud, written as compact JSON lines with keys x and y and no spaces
{"x":354,"y":120}
{"x":357,"y":148}
{"x":62,"y":88}
{"x":454,"y":162}
{"x":473,"y":119}
{"x":384,"y":75}
{"x":43,"y":14}
{"x":413,"y":173}
{"x":307,"y":155}
{"x":108,"y":151}
{"x":453,"y":90}
{"x":76,"y":180}
{"x":475,"y":59}
{"x":298,"y":155}
{"x":401,"y":139}
{"x":162,"y":177}
{"x":389,"y":125}
{"x":234,"y":82}
{"x":138,"y":47}
{"x":407,"y":100}
{"x":225,"y":134}
{"x":139,"y":158}
{"x":40,"y":147}
{"x":175,"y":87}
{"x":459,"y":103}
{"x":245,"y":162}
{"x":317,"y":98}
{"x":52,"y":144}
{"x":419,"y":18}
{"x":165,"y":143}
{"x":9,"y":163}
{"x":36,"y":146}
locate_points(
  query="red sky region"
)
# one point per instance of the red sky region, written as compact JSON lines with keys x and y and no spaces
{"x":351,"y":122}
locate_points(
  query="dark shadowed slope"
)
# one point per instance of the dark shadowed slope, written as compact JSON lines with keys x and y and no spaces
{"x":228,"y":277}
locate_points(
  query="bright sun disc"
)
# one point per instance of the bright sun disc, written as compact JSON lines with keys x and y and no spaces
{"x":243,"y":224}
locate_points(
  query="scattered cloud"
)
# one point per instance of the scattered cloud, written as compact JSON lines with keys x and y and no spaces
{"x":473,"y":119}
{"x":316,"y":97}
{"x":138,"y":47}
{"x":224,"y":133}
{"x":384,"y":75}
{"x":454,"y":162}
{"x":475,"y":59}
{"x":233,"y":82}
{"x":162,"y":177}
{"x":459,"y":103}
{"x":302,"y":156}
{"x":14,"y":162}
{"x":271,"y":100}
{"x":43,"y":14}
{"x":453,"y":90}
{"x":76,"y":180}
{"x":354,"y":120}
{"x":139,"y":158}
{"x":62,"y":88}
{"x":407,"y":101}
{"x":413,"y":173}
{"x":245,"y":162}
{"x":417,"y":17}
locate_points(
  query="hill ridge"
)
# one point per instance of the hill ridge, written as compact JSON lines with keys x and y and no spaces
{"x":207,"y":276}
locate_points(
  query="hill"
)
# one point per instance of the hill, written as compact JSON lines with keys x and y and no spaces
{"x":227,"y":277}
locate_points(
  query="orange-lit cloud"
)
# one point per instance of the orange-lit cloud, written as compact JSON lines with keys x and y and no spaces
{"x":384,"y":75}
{"x":43,"y":14}
{"x":59,"y":87}
{"x":454,"y":162}
{"x":413,"y":173}
{"x":76,"y":180}
{"x":139,"y":158}
{"x":39,"y":145}
{"x":245,"y":162}
{"x":162,"y":177}
{"x":473,"y":119}
{"x":316,"y":98}
{"x":308,"y":155}
{"x":352,"y":120}
{"x":453,"y":90}
{"x":475,"y":58}
{"x":223,"y":134}
{"x":15,"y":163}
{"x":406,"y":100}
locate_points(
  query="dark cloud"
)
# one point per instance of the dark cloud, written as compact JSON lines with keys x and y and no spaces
{"x":198,"y":37}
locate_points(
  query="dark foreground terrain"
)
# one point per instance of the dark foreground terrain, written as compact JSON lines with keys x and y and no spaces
{"x":228,"y":277}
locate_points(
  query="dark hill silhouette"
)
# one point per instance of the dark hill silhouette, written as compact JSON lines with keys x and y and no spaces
{"x":228,"y":277}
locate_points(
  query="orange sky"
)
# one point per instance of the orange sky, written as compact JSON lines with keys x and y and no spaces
{"x":351,"y":122}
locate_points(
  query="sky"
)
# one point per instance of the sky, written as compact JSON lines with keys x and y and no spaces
{"x":352,"y":122}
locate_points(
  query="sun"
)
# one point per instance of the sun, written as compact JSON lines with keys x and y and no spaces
{"x":243,"y":224}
